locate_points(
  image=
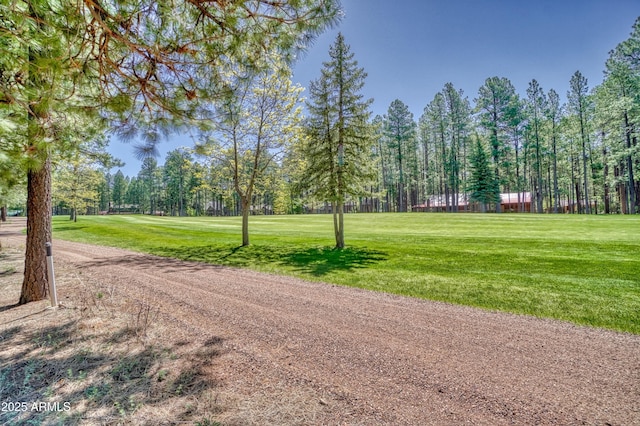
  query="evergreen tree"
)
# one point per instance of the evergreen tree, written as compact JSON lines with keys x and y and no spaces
{"x":338,"y":142}
{"x":515,"y":128}
{"x":134,"y":194}
{"x":579,"y":105}
{"x":119,"y":189}
{"x":400,"y":132}
{"x":482,"y":186}
{"x":427,"y":155}
{"x":149,"y":177}
{"x":553,"y":114}
{"x":536,"y":106}
{"x":619,"y":106}
{"x":458,"y":119}
{"x":435,"y":118}
{"x":177,"y":173}
{"x":495,"y":98}
{"x":382,"y":156}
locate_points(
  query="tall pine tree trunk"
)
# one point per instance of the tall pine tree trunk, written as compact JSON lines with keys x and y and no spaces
{"x":401,"y":189}
{"x":607,"y":195}
{"x":340,"y":230}
{"x":35,"y":283}
{"x":516,"y":149}
{"x":631,"y":183}
{"x":587,"y":206}
{"x":336,"y":227}
{"x":496,"y":160}
{"x":556,"y":191}
{"x":340,"y":202}
{"x":585,"y":183}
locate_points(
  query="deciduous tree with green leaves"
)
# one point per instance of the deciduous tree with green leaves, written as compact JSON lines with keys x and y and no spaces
{"x":257,"y":119}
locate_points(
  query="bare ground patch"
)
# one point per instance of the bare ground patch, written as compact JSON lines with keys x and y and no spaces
{"x":101,"y":358}
{"x":147,"y":340}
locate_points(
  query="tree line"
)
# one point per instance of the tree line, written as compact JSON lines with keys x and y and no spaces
{"x":460,"y":154}
{"x":70,"y":72}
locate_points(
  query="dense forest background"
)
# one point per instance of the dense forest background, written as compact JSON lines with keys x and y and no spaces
{"x":580,"y":156}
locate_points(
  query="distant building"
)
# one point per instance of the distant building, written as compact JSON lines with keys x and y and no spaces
{"x":510,"y":202}
{"x":516,"y":202}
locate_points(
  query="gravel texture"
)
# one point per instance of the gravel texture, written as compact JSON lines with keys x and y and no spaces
{"x":335,"y":355}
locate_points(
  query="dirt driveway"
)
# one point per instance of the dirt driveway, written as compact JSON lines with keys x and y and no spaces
{"x":361,"y":358}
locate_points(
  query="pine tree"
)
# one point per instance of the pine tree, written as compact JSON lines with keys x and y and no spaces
{"x":149,"y":178}
{"x":516,"y":120}
{"x":536,"y":107}
{"x":483,"y":187}
{"x":338,"y":138}
{"x":495,"y":98}
{"x":458,"y":119}
{"x":553,"y":113}
{"x":119,"y":189}
{"x":435,"y":120}
{"x":620,"y":100}
{"x":177,"y":173}
{"x":400,"y":132}
{"x":579,"y":105}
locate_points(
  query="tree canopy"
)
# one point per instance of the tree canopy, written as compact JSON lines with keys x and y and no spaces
{"x":147,"y":66}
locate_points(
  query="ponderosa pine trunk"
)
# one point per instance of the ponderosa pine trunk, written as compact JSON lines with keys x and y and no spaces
{"x":340,"y":230}
{"x":496,"y":159}
{"x":334,"y":212}
{"x":35,"y":283}
{"x":631,"y":181}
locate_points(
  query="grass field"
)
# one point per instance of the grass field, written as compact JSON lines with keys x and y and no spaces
{"x":584,"y":269}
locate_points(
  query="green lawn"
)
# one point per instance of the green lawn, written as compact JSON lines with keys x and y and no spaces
{"x":584,"y":269}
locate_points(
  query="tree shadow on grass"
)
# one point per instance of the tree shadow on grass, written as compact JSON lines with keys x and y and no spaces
{"x":224,"y":254}
{"x":316,"y":261}
{"x":64,"y":376}
{"x":320,"y":261}
{"x":62,"y":228}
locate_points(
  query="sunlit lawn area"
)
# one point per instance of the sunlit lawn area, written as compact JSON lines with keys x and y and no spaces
{"x":584,"y":269}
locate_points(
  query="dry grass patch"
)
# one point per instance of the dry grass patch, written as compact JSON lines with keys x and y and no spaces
{"x":99,"y":359}
{"x":276,"y":404}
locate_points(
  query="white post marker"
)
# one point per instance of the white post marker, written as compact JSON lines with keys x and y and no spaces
{"x":52,"y":279}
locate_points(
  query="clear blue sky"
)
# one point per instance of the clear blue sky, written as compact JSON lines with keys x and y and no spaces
{"x":411,"y":48}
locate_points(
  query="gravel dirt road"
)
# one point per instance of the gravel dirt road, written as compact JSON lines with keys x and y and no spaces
{"x":356,"y":357}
